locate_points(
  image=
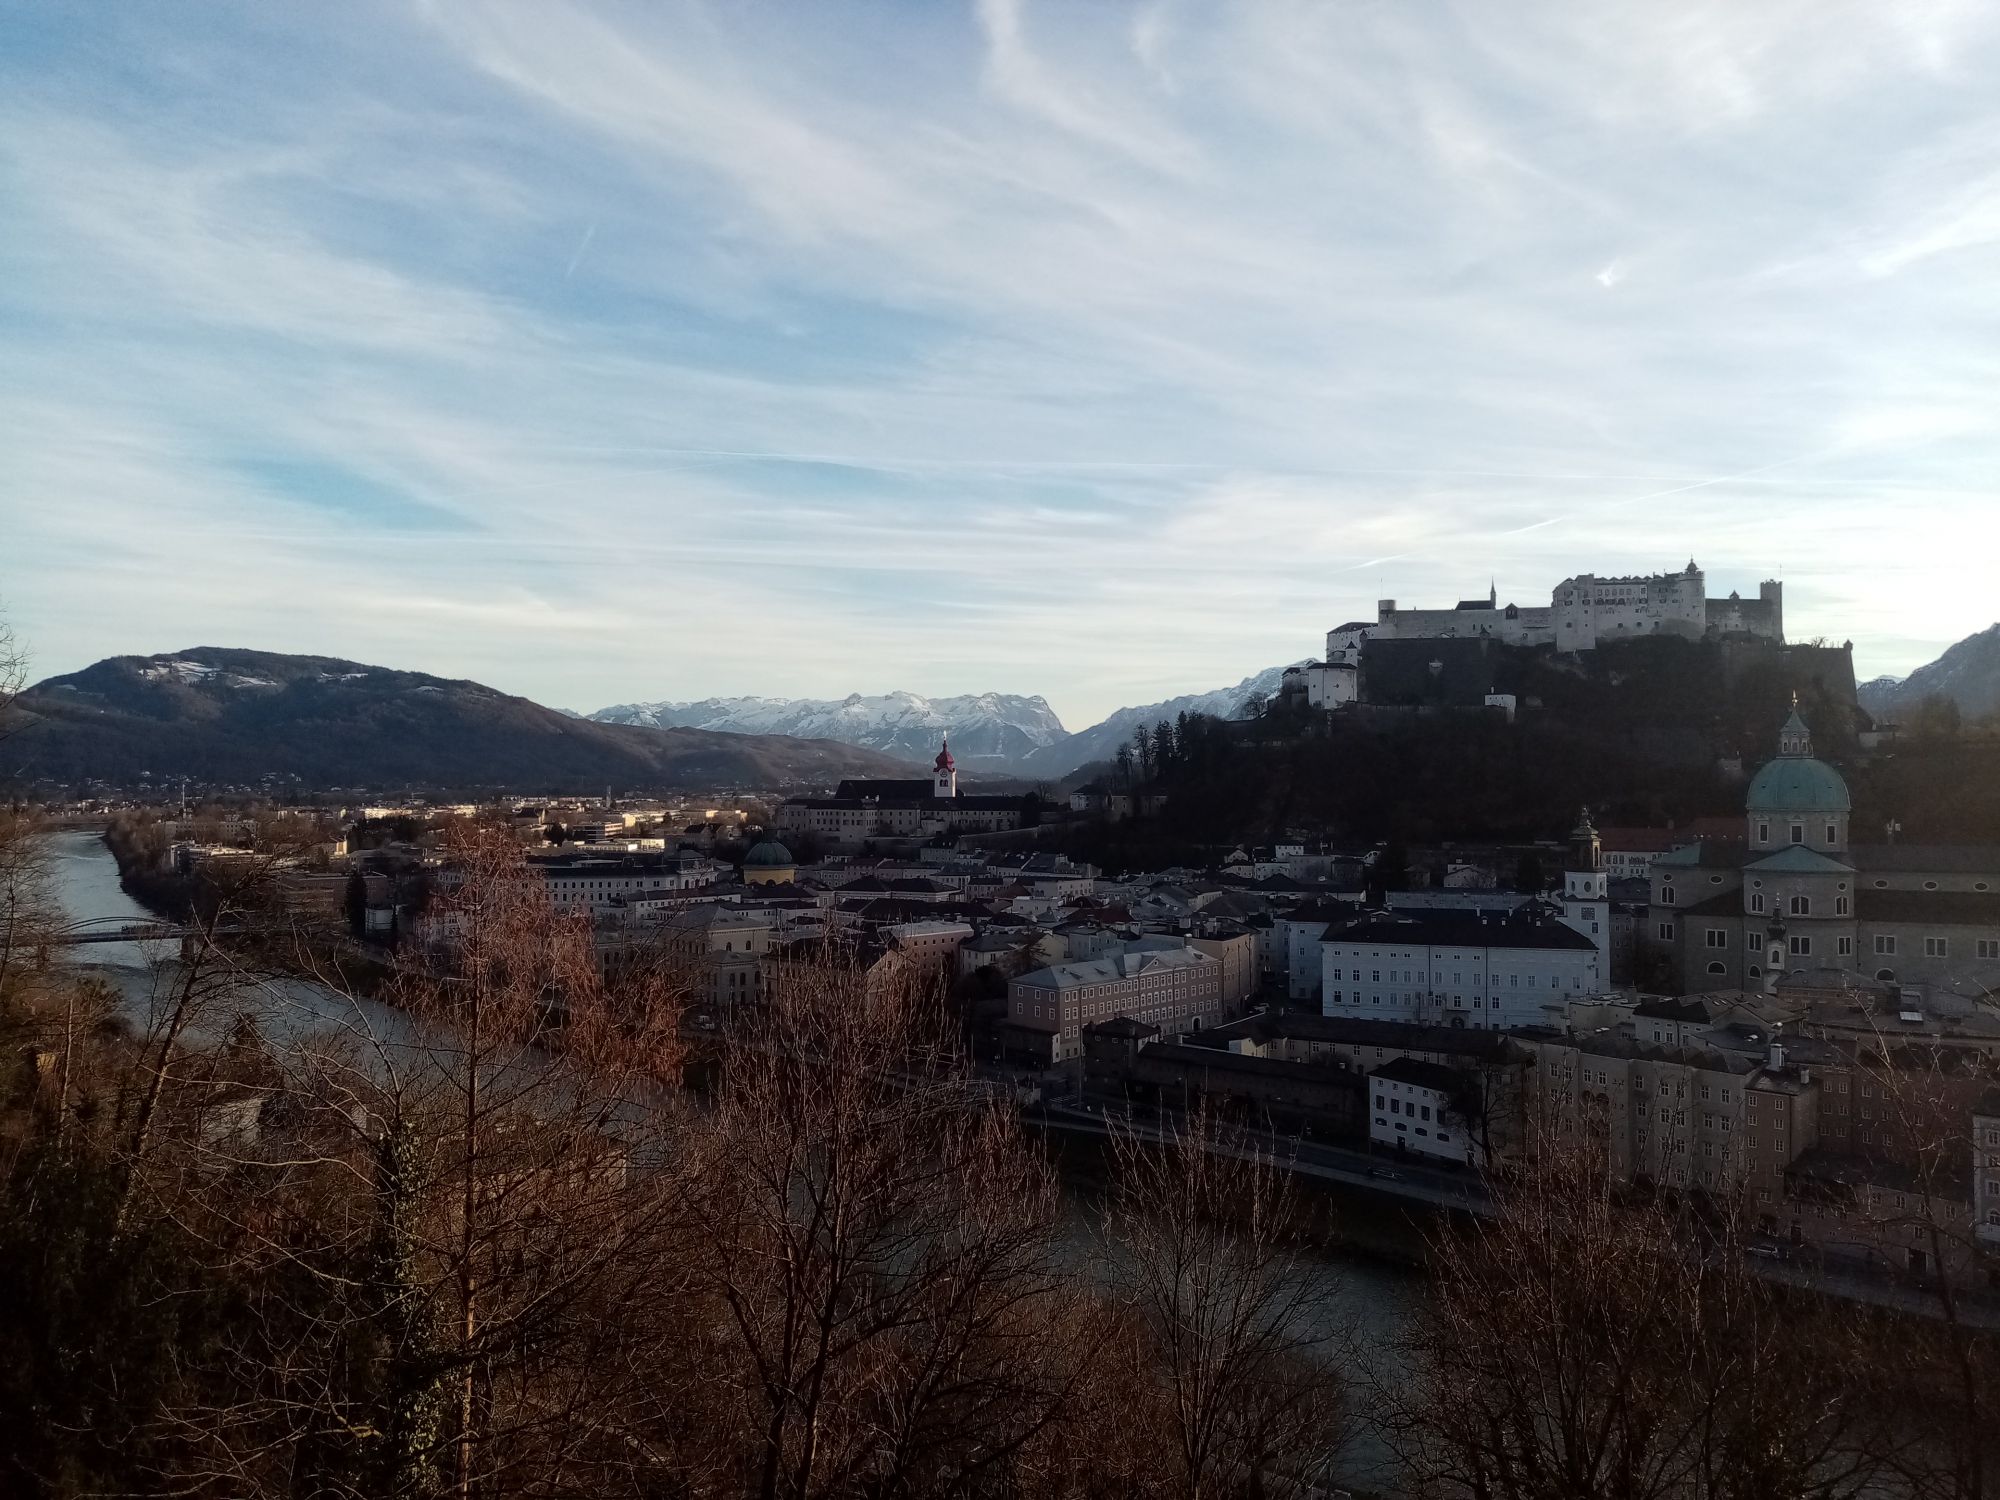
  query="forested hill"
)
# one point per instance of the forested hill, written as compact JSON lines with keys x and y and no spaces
{"x":232,"y":717}
{"x":1648,"y":733}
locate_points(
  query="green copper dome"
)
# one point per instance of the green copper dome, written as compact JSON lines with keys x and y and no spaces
{"x":1795,"y":781}
{"x":1798,"y":784}
{"x":768,"y":855}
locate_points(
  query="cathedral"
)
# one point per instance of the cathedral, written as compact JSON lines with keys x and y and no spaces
{"x":1800,"y":894}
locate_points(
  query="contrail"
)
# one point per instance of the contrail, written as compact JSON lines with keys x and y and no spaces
{"x":582,"y":245}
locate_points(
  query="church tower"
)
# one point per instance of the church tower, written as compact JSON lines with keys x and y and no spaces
{"x":944,"y":773}
{"x":1586,"y":898}
{"x":1584,"y":878}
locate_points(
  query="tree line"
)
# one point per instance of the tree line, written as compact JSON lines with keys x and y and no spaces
{"x":522,"y":1231}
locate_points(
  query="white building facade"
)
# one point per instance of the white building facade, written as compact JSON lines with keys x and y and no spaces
{"x":1449,"y":968}
{"x":1413,"y":1107}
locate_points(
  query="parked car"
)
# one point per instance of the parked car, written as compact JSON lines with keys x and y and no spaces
{"x":1385,"y":1174}
{"x":1767,"y":1251}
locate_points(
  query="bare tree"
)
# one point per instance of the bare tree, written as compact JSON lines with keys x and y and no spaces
{"x":1923,"y":1201}
{"x":1582,"y":1346}
{"x":452,"y":1234}
{"x":1237,"y":1324}
{"x":13,"y":673}
{"x":879,"y":1252}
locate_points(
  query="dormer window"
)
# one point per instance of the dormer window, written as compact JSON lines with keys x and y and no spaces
{"x":1798,"y":833}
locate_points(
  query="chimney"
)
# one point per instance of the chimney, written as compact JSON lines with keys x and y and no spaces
{"x":1777,"y":1058}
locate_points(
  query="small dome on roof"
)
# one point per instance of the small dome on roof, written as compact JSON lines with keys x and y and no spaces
{"x":768,"y":854}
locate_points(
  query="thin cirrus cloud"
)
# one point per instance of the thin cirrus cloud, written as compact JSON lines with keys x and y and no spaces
{"x":609,"y":353}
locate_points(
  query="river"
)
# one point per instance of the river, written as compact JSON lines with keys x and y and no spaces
{"x":289,"y":1011}
{"x":1362,"y":1242}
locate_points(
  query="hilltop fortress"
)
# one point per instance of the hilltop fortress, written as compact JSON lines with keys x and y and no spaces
{"x":1582,"y":613}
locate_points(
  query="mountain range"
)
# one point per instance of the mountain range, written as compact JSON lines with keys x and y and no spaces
{"x":1968,"y":674}
{"x":230,"y":717}
{"x":227,"y":716}
{"x":998,"y":732}
{"x":987,"y":730}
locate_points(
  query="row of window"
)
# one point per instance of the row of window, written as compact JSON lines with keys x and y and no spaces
{"x":1410,"y":976}
{"x":1798,"y":832}
{"x":1843,"y":946}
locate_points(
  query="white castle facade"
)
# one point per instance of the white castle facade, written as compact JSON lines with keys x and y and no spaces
{"x":1582,"y":613}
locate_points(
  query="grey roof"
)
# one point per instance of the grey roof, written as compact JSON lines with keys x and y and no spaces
{"x":1357,"y":1031}
{"x":1942,"y":859}
{"x":1707,"y":854}
{"x":1797,"y":859}
{"x":1667,"y":1008}
{"x":1425,"y":1075}
{"x":1122,"y":1026}
{"x":1840,"y":1169}
{"x":1614,"y":1044}
{"x":1468,"y":929}
{"x":1111,"y":969}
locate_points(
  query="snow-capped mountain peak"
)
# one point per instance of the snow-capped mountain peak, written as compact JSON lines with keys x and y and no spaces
{"x":996,"y":728}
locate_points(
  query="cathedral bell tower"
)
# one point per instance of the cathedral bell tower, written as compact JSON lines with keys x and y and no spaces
{"x":1584,"y":878}
{"x":944,"y":773}
{"x":1586,"y":899}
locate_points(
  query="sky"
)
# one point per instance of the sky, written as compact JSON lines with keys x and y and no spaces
{"x":1107,"y":352}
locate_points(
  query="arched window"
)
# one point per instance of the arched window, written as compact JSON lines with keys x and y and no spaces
{"x":1756,"y":901}
{"x":1840,"y":906}
{"x":1801,"y":906}
{"x":1886,"y":975}
{"x":1666,"y":895}
{"x":1717,"y":969}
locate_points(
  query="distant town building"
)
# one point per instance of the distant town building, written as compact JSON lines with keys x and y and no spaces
{"x":1419,"y":1107}
{"x":906,"y":808}
{"x":1176,"y":989}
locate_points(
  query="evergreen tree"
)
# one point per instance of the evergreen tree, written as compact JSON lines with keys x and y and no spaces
{"x":356,"y":903}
